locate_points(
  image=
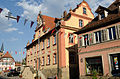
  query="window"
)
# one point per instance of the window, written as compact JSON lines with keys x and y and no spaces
{"x":118,"y":31}
{"x":84,"y":10}
{"x":48,"y":59}
{"x":43,"y":45}
{"x":94,"y":63}
{"x":80,"y":41}
{"x":104,"y":35}
{"x":54,"y":58}
{"x":86,"y":42}
{"x":115,"y":63}
{"x":81,"y":23}
{"x":39,"y":33}
{"x":102,"y":15}
{"x":54,"y":38}
{"x":43,"y":61}
{"x":48,"y":42}
{"x":112,"y":33}
{"x":98,"y":36}
{"x":91,"y":38}
{"x":71,"y":38}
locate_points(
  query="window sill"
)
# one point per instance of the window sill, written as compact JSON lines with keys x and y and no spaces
{"x":42,"y":65}
{"x":71,"y":43}
{"x":48,"y":46}
{"x":84,"y":13}
{"x":42,"y":48}
{"x":54,"y":63}
{"x":47,"y":64}
{"x":54,"y":44}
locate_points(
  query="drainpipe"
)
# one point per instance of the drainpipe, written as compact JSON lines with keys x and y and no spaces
{"x":58,"y":54}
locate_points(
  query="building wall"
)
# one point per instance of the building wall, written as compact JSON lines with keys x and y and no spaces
{"x":72,"y":22}
{"x":27,"y":73}
{"x":10,"y":64}
{"x":104,"y":49}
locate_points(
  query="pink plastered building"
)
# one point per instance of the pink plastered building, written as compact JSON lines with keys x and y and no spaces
{"x":99,"y":43}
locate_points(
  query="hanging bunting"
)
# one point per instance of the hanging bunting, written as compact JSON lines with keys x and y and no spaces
{"x":1,"y":10}
{"x":31,"y":24}
{"x":9,"y":14}
{"x":18,"y":17}
{"x":23,"y":53}
{"x":15,"y":52}
{"x":25,"y":21}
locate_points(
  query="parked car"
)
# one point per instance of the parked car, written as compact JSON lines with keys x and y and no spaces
{"x":13,"y":72}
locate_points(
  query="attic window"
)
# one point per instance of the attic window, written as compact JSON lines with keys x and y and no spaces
{"x":102,"y":15}
{"x":84,"y":10}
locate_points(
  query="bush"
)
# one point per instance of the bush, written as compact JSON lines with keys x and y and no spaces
{"x":95,"y":74}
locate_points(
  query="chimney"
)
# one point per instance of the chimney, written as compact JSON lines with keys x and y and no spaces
{"x":70,"y":10}
{"x":105,"y":13}
{"x":64,"y":14}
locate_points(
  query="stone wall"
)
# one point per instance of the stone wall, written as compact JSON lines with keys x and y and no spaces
{"x":51,"y":72}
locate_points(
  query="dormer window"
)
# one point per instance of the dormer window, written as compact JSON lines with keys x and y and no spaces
{"x":102,"y":15}
{"x":84,"y":10}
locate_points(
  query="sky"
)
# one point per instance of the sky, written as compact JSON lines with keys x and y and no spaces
{"x":15,"y":35}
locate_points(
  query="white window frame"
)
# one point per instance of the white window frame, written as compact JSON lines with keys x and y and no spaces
{"x":84,"y":10}
{"x":54,"y":56}
{"x":43,"y":60}
{"x":80,"y":23}
{"x":71,"y":38}
{"x":54,"y":37}
{"x":48,"y":59}
{"x":48,"y":42}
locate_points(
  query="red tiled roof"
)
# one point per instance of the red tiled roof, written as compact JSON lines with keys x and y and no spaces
{"x":49,"y":22}
{"x":7,"y":55}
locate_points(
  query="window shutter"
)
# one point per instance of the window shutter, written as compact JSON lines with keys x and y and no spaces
{"x":80,"y":41}
{"x":83,"y":41}
{"x":118,"y":31}
{"x":105,"y":34}
{"x":91,"y":38}
{"x":102,"y":36}
{"x":94,"y":41}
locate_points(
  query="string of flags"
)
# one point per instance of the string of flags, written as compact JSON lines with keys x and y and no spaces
{"x":19,"y":52}
{"x":17,"y":18}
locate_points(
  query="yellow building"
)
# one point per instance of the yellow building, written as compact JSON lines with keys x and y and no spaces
{"x":54,"y":47}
